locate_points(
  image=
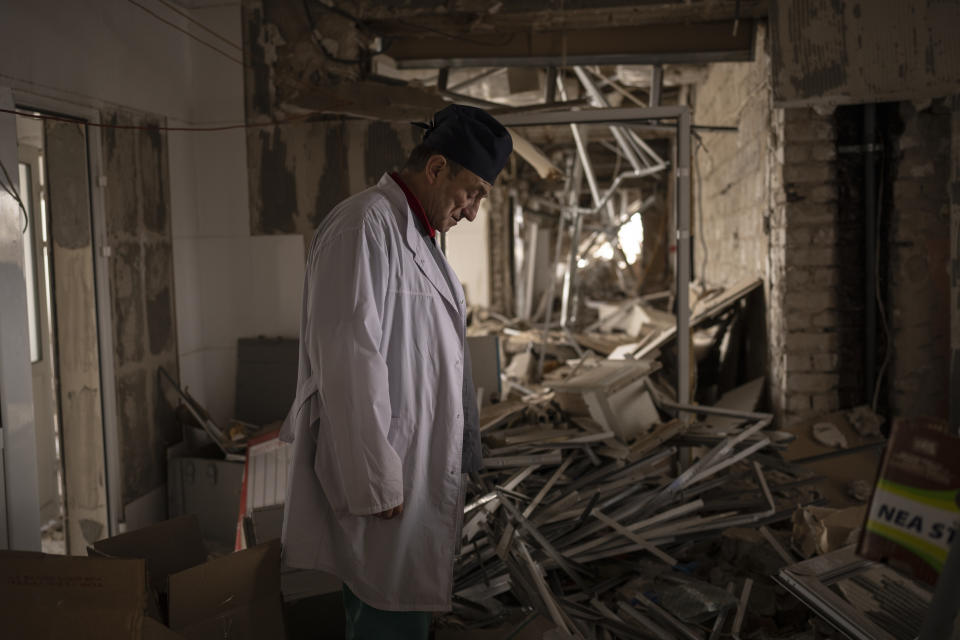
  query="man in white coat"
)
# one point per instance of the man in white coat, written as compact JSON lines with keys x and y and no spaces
{"x":384,"y":422}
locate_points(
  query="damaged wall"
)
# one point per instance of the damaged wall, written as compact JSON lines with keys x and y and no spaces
{"x":731,"y":177}
{"x":299,"y":171}
{"x":137,"y":208}
{"x":804,"y":276}
{"x":849,"y":51}
{"x":919,"y":246}
{"x":768,"y":199}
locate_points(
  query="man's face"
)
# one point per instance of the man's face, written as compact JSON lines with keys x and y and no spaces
{"x":454,"y":198}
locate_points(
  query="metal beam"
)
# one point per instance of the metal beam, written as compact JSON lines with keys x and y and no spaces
{"x":685,"y":57}
{"x":619,"y":115}
{"x":656,"y":85}
{"x":415,"y":47}
{"x":683,"y":257}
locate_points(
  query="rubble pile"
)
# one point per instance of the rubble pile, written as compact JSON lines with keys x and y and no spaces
{"x":606,"y":509}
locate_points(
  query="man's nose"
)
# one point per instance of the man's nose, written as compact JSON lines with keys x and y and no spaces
{"x":470,"y":212}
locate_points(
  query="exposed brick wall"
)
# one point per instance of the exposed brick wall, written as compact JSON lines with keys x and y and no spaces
{"x":804,"y":268}
{"x":919,"y":288}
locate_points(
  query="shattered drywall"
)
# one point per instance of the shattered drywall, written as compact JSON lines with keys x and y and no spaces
{"x":137,"y":211}
{"x":846,"y":51}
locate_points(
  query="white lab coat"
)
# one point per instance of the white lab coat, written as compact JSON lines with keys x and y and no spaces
{"x":378,"y":418}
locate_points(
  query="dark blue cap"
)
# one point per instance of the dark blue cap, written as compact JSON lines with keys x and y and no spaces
{"x":470,"y":137}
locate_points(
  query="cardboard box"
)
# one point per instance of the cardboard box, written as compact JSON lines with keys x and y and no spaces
{"x":233,"y":597}
{"x":236,"y":597}
{"x":168,"y":547}
{"x":47,"y":596}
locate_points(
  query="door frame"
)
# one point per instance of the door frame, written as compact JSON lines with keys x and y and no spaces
{"x":101,"y":271}
{"x":19,"y":501}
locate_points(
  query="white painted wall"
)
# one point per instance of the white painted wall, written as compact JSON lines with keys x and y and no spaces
{"x":111,"y":53}
{"x":469,"y":255}
{"x":230,"y":284}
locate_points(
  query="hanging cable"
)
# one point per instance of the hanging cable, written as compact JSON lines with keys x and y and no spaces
{"x":12,"y":191}
{"x":883,"y":313}
{"x":187,"y":33}
{"x":136,"y":127}
{"x":700,"y":230}
{"x":186,"y":15}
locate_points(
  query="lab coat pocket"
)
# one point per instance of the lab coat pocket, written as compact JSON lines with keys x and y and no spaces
{"x":400,"y":435}
{"x":328,"y":467}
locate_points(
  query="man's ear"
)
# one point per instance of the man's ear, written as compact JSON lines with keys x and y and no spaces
{"x":434,"y":166}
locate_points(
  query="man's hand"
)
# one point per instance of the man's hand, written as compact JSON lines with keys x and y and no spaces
{"x":390,"y":513}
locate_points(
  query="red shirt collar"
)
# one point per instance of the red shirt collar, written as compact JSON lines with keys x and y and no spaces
{"x":414,"y":204}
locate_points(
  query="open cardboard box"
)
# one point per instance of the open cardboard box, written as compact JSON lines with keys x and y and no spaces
{"x":49,"y":596}
{"x":234,"y":597}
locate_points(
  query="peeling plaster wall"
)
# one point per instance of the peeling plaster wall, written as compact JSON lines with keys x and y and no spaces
{"x":75,"y":329}
{"x":137,"y":203}
{"x":299,"y":172}
{"x":848,"y":51}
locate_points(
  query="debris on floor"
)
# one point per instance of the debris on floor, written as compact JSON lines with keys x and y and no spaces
{"x":608,"y":511}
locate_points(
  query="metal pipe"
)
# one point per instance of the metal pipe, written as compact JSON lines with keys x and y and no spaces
{"x":552,"y":288}
{"x":474,"y":79}
{"x":620,"y":115}
{"x":530,"y":260}
{"x":575,"y":224}
{"x":569,"y":279}
{"x":585,"y":161}
{"x":683,"y":257}
{"x":551,"y":96}
{"x":656,"y":85}
{"x":618,"y":132}
{"x":870,"y":252}
{"x":716,"y":411}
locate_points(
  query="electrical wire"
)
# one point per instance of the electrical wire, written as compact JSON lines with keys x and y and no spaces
{"x":700,"y":230}
{"x":227,"y":127}
{"x":188,"y":34}
{"x":876,"y":278}
{"x":12,"y":192}
{"x":186,"y":15}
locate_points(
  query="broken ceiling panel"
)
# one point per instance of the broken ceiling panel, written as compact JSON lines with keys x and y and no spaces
{"x":825,"y":51}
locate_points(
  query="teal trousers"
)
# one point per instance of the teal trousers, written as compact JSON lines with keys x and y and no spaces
{"x":364,"y":622}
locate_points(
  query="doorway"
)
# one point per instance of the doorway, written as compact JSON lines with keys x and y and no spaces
{"x":37,"y":273}
{"x":63,"y":331}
